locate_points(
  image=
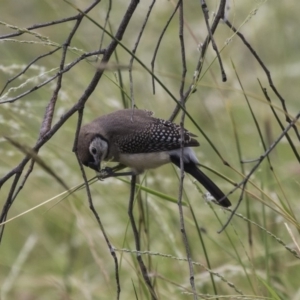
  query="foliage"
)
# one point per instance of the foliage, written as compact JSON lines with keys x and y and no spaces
{"x":62,"y":60}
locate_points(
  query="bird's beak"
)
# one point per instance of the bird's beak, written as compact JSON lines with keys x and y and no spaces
{"x":95,"y":165}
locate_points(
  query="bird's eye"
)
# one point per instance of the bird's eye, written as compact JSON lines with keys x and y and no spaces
{"x":94,"y":150}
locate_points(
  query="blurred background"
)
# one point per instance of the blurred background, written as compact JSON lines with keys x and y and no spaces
{"x":57,"y":251}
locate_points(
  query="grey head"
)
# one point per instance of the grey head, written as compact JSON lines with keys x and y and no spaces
{"x":92,"y":150}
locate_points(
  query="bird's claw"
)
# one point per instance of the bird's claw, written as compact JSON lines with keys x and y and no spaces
{"x":104,"y":173}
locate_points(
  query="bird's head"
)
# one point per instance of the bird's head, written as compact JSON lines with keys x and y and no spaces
{"x":93,"y":152}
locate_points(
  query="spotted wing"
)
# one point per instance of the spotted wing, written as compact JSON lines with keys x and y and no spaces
{"x":159,"y":135}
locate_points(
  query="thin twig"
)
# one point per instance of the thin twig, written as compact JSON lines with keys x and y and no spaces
{"x":105,"y":24}
{"x":134,"y":51}
{"x":66,"y":69}
{"x":214,"y":45}
{"x":244,"y":182}
{"x":182,"y":51}
{"x":268,"y":74}
{"x":60,"y":21}
{"x":181,"y":215}
{"x":192,"y":88}
{"x":159,"y":41}
{"x":48,"y":116}
{"x":27,"y":67}
{"x":294,"y":149}
{"x":143,"y":268}
{"x":91,"y":205}
{"x":110,"y":246}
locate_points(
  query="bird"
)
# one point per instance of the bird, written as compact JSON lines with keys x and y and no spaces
{"x":136,"y":139}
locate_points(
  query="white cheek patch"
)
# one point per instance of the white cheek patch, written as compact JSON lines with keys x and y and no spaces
{"x":188,"y":155}
{"x":101,"y":146}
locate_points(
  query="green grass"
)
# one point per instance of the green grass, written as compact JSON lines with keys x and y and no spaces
{"x":57,"y":250}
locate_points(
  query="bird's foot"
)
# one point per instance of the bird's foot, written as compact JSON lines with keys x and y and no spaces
{"x":104,"y":173}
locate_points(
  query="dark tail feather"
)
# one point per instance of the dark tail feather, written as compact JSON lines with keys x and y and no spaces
{"x":192,"y":169}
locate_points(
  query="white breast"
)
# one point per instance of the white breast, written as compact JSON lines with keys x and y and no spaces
{"x":142,"y":161}
{"x":139,"y":162}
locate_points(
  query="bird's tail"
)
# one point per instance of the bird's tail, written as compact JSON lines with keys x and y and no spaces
{"x":191,"y":168}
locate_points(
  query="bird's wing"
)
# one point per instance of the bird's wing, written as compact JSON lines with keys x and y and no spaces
{"x":158,"y":135}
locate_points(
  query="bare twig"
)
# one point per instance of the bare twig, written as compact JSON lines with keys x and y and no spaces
{"x":214,"y":45}
{"x":91,"y":205}
{"x":134,"y":51}
{"x":268,"y":74}
{"x":181,"y":215}
{"x":66,"y":69}
{"x":105,"y":24}
{"x":192,"y":88}
{"x":159,"y":41}
{"x":21,"y":31}
{"x":182,"y":51}
{"x":46,"y":124}
{"x":27,"y":67}
{"x":143,"y":268}
{"x":293,"y":147}
{"x":244,"y":182}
